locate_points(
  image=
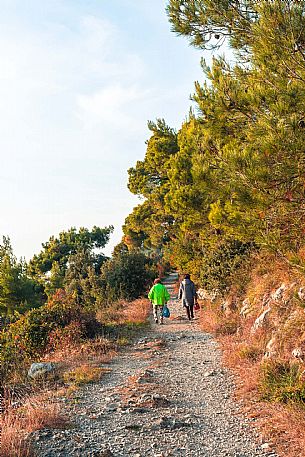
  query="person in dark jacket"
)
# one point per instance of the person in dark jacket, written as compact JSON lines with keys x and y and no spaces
{"x":188,"y":295}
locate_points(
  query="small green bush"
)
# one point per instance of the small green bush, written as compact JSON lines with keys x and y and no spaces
{"x":281,"y":382}
{"x":222,"y":261}
{"x":126,"y":277}
{"x":28,"y":337}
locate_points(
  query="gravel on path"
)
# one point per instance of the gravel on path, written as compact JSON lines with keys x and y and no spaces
{"x":167,"y":395}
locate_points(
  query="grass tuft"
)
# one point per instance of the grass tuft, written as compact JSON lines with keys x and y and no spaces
{"x":281,"y":382}
{"x":84,"y":374}
{"x":16,"y":425}
{"x":250,"y":352}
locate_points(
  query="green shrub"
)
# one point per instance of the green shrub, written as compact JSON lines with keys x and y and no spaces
{"x":281,"y":382}
{"x":126,"y":276}
{"x":221,"y":262}
{"x":28,"y":337}
{"x":212,"y":260}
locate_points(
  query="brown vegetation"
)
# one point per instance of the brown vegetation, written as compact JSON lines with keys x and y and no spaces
{"x":16,"y":425}
{"x":268,"y":377}
{"x":84,"y":374}
{"x":78,"y":362}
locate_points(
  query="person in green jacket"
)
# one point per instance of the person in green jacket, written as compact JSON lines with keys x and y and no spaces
{"x":159,"y":296}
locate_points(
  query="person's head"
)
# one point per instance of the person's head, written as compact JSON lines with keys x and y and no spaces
{"x":187,"y":276}
{"x":157,"y":281}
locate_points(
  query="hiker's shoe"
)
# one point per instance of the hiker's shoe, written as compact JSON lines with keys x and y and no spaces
{"x":156,"y":321}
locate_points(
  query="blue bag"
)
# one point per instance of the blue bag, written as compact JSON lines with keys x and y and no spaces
{"x":165,"y":312}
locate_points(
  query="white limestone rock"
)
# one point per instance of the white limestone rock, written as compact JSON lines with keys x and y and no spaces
{"x":41,"y":369}
{"x":270,"y":349}
{"x":278,"y":294}
{"x":261,"y":320}
{"x":204,"y":294}
{"x":298,"y":353}
{"x":246,"y":308}
{"x":301,"y":293}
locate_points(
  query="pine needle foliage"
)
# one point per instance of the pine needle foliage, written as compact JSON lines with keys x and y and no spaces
{"x":234,"y":172}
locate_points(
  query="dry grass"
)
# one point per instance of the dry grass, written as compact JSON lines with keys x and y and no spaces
{"x":208,"y":317}
{"x":13,"y":438}
{"x":97,"y":351}
{"x":78,"y":363}
{"x":285,"y":427}
{"x":136,"y":312}
{"x":37,"y":413}
{"x":212,"y":320}
{"x":42,"y":413}
{"x":84,"y":374}
{"x":281,"y":425}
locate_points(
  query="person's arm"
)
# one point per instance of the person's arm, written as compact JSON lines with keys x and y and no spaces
{"x":180,"y":291}
{"x":151,"y":294}
{"x":166,"y":295}
{"x":194,"y":291}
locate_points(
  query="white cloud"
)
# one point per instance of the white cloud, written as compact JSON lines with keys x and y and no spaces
{"x":65,"y":76}
{"x":111,"y":105}
{"x":116,"y":78}
{"x":76,"y":92}
{"x":98,"y":33}
{"x":55,"y":83}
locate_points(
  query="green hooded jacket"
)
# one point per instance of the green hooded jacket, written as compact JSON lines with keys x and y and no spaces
{"x":158,"y":295}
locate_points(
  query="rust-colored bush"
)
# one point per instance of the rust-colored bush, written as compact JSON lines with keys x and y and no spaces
{"x":66,"y":337}
{"x":16,"y":424}
{"x":246,"y":349}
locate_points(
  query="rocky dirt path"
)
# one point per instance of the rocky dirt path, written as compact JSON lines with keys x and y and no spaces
{"x":167,"y":395}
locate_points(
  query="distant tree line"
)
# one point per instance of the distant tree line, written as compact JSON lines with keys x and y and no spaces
{"x":69,"y":290}
{"x":73,"y":263}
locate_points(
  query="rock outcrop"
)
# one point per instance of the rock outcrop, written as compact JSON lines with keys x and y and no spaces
{"x":41,"y":369}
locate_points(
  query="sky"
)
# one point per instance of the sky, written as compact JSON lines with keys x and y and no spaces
{"x":79,"y":79}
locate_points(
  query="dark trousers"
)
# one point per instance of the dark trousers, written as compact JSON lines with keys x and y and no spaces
{"x":190,"y":311}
